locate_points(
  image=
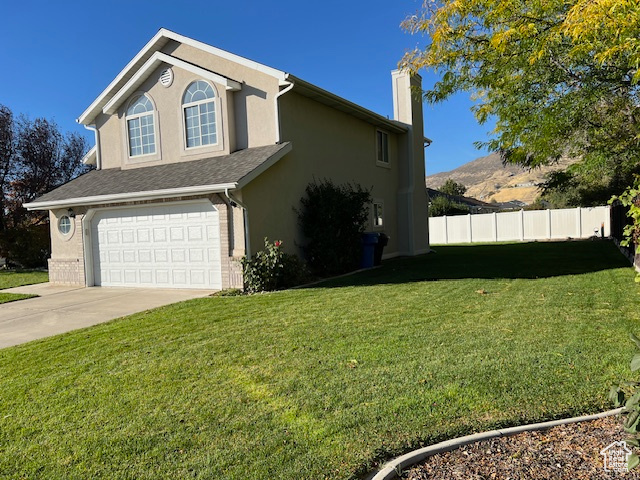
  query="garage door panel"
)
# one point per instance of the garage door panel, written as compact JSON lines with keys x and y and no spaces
{"x":194,"y":233}
{"x":179,"y":277}
{"x":163,"y":246}
{"x":196,"y":255}
{"x":128,"y":236}
{"x":143,"y":235}
{"x":159,"y":235}
{"x":177,"y":255}
{"x":146,"y":277}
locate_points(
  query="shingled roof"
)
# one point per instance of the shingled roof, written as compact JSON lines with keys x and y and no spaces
{"x":192,"y":177}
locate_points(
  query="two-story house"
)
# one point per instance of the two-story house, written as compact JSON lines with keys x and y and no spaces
{"x":200,"y":154}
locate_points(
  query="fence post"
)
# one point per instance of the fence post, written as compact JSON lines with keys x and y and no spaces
{"x":446,"y":231}
{"x":522,"y":224}
{"x":469,"y":226}
{"x":549,"y":224}
{"x":579,"y":221}
{"x":495,"y":227}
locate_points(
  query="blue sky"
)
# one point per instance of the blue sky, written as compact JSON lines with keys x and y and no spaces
{"x":57,"y":57}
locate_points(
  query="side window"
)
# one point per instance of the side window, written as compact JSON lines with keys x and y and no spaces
{"x":140,"y":120}
{"x":199,"y":110}
{"x":378,"y":214}
{"x":382,"y":147}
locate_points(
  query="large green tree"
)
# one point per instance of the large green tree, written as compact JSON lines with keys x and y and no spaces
{"x":559,"y":77}
{"x":34,"y":159}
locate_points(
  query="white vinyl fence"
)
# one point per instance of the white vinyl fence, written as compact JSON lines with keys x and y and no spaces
{"x":521,"y":225}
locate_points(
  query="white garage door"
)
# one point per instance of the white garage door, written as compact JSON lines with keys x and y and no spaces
{"x":175,"y":246}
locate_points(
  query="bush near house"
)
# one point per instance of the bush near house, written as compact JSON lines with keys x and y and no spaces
{"x":28,"y":246}
{"x":333,"y":218}
{"x":272,"y":269}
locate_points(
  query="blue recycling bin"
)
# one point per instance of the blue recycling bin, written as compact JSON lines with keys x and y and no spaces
{"x":369,"y":241}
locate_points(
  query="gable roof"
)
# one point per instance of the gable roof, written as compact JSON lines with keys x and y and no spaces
{"x":196,"y":177}
{"x":157,"y":59}
{"x":145,"y":62}
{"x":154,"y":45}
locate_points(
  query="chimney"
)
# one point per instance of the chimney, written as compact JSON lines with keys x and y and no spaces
{"x":413,"y":219}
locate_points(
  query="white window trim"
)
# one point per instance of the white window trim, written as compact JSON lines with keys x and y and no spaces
{"x":380,"y":163}
{"x":146,"y":157}
{"x":217,"y":101}
{"x":377,"y":201}
{"x":59,"y":216}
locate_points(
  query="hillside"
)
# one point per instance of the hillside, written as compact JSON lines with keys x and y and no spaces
{"x":487,"y":179}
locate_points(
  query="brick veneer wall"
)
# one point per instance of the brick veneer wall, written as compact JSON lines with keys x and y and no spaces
{"x":66,"y":265}
{"x":66,"y":272}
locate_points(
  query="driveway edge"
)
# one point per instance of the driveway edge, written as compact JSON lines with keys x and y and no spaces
{"x":391,"y":469}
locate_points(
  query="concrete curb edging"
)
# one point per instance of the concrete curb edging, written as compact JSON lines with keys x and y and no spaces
{"x":391,"y":469}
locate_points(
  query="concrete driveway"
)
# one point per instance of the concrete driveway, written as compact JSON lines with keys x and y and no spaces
{"x":62,"y":309}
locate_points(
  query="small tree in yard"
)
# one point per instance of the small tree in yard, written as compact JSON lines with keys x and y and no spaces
{"x":333,"y":218}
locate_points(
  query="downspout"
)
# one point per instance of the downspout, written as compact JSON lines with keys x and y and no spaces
{"x":97,"y":139}
{"x":278,"y":95}
{"x":245,"y":216}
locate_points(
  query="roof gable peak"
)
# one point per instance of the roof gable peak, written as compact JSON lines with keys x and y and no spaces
{"x":148,"y":57}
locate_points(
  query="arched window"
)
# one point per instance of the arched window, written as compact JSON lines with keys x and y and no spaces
{"x":198,"y":104}
{"x":140,"y":127}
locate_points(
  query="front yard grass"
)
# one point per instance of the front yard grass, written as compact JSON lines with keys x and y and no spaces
{"x":17,"y":278}
{"x":324,"y":382}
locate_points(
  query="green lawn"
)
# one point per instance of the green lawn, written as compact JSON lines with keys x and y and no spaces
{"x":17,"y":278}
{"x":323,"y":382}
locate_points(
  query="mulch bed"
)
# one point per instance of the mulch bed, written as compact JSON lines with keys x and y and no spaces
{"x":570,"y":452}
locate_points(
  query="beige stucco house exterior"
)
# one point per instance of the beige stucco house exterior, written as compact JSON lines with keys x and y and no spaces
{"x":200,"y":154}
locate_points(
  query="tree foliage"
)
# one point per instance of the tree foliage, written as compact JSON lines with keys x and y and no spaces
{"x":560,"y":77}
{"x":441,"y":205}
{"x":451,"y":187}
{"x":630,"y":198}
{"x":34,"y":159}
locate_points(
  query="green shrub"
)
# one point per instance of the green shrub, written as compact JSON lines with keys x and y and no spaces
{"x":441,"y":205}
{"x":631,"y":198}
{"x":628,"y":395}
{"x":27,"y":247}
{"x":228,"y":292}
{"x":272,"y":269}
{"x":332,"y":219}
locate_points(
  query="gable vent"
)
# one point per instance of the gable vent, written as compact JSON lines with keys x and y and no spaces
{"x":166,"y":77}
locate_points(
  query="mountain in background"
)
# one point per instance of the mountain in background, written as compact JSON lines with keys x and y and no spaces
{"x":487,"y":179}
